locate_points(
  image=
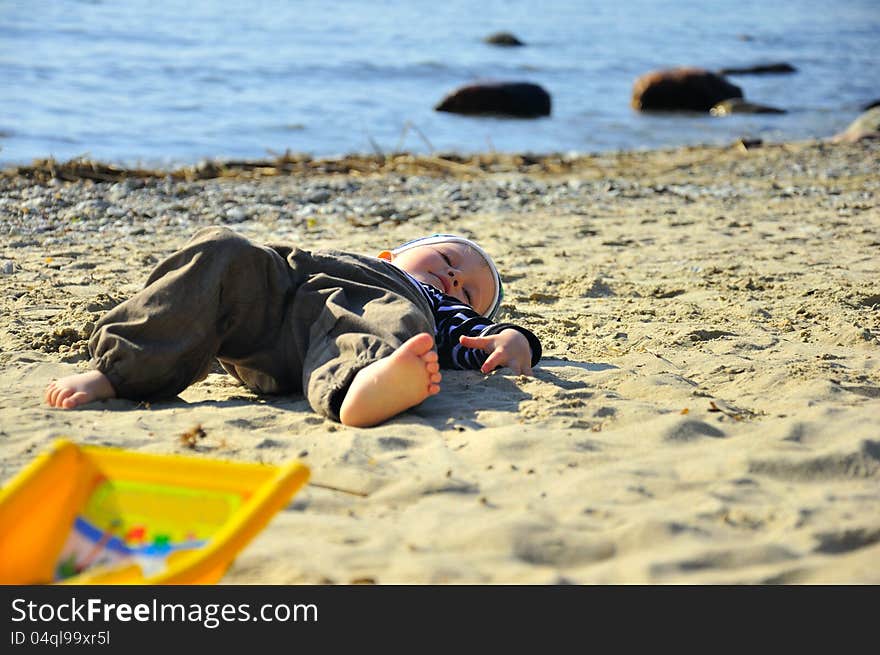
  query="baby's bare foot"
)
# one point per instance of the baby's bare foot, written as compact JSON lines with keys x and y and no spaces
{"x":79,"y":389}
{"x":392,"y":384}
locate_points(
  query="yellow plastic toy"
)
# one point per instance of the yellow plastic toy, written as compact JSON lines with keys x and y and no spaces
{"x":95,"y":515}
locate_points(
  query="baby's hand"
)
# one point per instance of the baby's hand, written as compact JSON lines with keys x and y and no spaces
{"x":508,"y":348}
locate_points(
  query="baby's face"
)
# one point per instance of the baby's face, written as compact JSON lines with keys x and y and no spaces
{"x":453,"y":268}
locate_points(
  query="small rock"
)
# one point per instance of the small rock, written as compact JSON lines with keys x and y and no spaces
{"x":7,"y":267}
{"x":236,"y":215}
{"x":34,"y":203}
{"x":382,"y":211}
{"x":120,"y":190}
{"x":760,"y":69}
{"x":91,"y":209}
{"x":740,"y":106}
{"x":745,"y":143}
{"x":503,"y":39}
{"x":319,"y":197}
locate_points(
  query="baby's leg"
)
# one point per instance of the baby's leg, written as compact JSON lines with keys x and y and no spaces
{"x":79,"y":389}
{"x":392,"y":384}
{"x":219,"y":294}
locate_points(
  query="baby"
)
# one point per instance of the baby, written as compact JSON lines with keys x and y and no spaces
{"x":364,"y":338}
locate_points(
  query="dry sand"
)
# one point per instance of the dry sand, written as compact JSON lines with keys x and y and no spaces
{"x":707,"y":411}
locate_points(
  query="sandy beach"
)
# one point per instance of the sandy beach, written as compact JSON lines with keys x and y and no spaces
{"x":707,"y":410}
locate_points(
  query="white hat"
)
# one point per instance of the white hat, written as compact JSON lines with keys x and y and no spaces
{"x":495,"y":305}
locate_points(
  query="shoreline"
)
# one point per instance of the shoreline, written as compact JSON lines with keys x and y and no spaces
{"x":404,"y":162}
{"x":705,"y":412}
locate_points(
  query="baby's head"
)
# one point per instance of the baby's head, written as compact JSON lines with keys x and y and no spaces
{"x":454,"y":265}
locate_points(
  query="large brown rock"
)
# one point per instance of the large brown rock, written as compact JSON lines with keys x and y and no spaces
{"x":521,"y":99}
{"x":681,"y":89}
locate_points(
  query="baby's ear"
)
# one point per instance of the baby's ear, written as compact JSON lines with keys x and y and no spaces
{"x":386,"y":254}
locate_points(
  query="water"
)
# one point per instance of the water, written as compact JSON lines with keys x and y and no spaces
{"x":168,"y":82}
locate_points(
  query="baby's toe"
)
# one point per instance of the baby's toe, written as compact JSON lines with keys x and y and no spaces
{"x":62,"y":396}
{"x":52,"y":394}
{"x":74,"y":400}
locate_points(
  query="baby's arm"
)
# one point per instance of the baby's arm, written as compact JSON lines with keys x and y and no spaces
{"x":467,"y":340}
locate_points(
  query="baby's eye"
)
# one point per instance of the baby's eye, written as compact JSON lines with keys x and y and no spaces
{"x":445,"y":257}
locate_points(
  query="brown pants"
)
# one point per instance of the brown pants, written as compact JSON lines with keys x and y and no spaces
{"x":280,"y":319}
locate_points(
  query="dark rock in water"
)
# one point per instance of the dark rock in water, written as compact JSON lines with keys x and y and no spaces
{"x":760,"y":69}
{"x":503,"y":38}
{"x":740,"y":106}
{"x":681,"y":89}
{"x":866,"y":126}
{"x":521,"y":99}
{"x":871,"y":105}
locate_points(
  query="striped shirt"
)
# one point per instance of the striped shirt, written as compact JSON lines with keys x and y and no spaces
{"x":454,"y":319}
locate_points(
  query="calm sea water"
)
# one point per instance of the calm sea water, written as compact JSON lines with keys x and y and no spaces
{"x":165,"y":82}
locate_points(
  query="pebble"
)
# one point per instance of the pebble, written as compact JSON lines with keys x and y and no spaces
{"x":319,"y":197}
{"x":236,"y":215}
{"x":7,"y":267}
{"x":34,"y":203}
{"x":137,"y":206}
